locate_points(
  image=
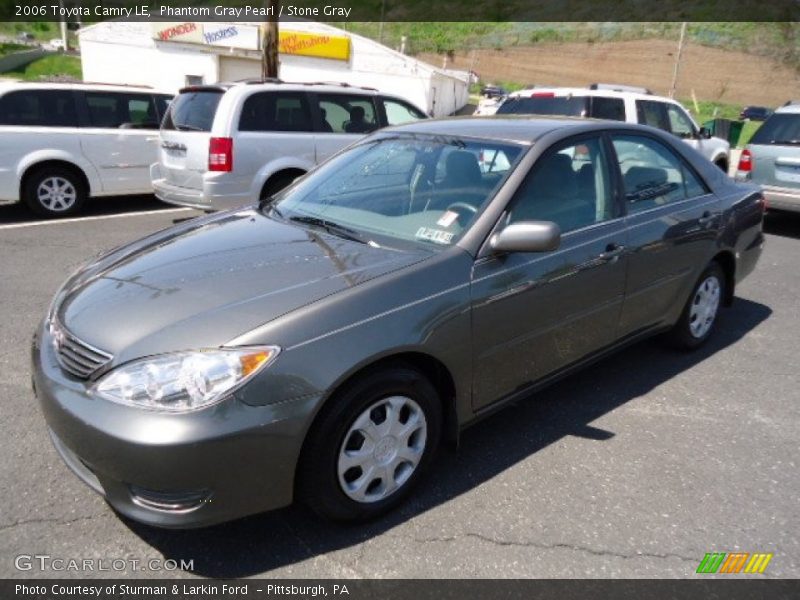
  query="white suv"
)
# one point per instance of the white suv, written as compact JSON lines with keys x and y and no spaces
{"x":61,"y":143}
{"x":225,"y":145}
{"x":620,"y":103}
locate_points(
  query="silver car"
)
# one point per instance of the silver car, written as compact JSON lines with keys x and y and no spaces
{"x":772,"y":158}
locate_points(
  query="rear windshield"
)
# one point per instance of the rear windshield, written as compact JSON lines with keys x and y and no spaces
{"x":568,"y":106}
{"x":779,"y":129}
{"x":193,"y":111}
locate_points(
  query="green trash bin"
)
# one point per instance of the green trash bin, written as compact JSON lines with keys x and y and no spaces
{"x":725,"y":129}
{"x":735,"y":133}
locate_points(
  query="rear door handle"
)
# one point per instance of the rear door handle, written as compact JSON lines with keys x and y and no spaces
{"x":612,"y":253}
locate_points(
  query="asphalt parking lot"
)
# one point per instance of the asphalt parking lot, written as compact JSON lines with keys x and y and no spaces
{"x":635,"y":468}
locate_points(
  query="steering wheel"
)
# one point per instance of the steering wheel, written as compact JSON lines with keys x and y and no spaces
{"x":456,"y":205}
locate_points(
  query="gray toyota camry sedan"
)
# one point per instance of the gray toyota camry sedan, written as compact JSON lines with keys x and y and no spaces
{"x":321,"y":346}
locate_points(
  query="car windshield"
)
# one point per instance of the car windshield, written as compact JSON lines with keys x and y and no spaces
{"x":779,"y":129}
{"x":424,"y":190}
{"x":568,"y":106}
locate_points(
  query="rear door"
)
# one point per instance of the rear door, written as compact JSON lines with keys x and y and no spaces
{"x":775,"y":149}
{"x":120,"y":138}
{"x":342,"y":119}
{"x":185,"y":135}
{"x":673,"y":220}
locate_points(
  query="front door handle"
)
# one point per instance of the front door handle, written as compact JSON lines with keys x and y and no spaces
{"x":706,"y":219}
{"x":612,"y":253}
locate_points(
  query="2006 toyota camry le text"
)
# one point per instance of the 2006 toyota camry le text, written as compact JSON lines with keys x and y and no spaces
{"x":321,"y":345}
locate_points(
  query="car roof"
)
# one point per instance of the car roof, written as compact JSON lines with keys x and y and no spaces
{"x":605,"y":93}
{"x":520,"y":129}
{"x":793,"y":108}
{"x":108,"y":87}
{"x":258,"y":84}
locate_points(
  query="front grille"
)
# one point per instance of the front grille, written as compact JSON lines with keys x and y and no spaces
{"x":76,"y":357}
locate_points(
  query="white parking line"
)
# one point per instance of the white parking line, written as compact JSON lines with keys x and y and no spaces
{"x":97,"y":218}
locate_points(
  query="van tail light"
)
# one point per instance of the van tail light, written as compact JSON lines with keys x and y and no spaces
{"x":220,"y":154}
{"x":745,"y":162}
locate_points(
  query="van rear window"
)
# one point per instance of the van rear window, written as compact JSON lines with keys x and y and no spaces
{"x":193,"y":111}
{"x":780,"y":129}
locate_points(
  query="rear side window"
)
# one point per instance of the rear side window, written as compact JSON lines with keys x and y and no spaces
{"x":612,"y":109}
{"x":652,"y":113}
{"x":193,"y":110}
{"x":39,"y":108}
{"x":398,"y":112}
{"x":276,"y":111}
{"x":347,"y":113}
{"x":568,"y":106}
{"x":162,"y":104}
{"x":781,"y":129}
{"x":126,"y":111}
{"x":679,"y":122}
{"x":652,"y":174}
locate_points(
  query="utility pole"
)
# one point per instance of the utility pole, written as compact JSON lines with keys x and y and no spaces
{"x":678,"y":61}
{"x":269,"y":41}
{"x":63,"y":26}
{"x":380,"y":27}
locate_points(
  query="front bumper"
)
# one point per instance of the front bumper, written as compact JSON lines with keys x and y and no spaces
{"x":782,"y":198}
{"x":172,"y":470}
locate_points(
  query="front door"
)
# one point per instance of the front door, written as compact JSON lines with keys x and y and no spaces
{"x":534,"y":314}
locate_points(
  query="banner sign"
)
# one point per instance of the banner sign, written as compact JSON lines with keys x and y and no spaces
{"x":320,"y":45}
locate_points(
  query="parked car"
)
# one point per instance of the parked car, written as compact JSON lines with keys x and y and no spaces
{"x":25,"y":36}
{"x":620,"y":103}
{"x":227,"y":145}
{"x":488,"y":105}
{"x":772,"y":159}
{"x":56,"y":44}
{"x":321,"y":344}
{"x":493,"y":91}
{"x":755,"y":113}
{"x":62,"y":143}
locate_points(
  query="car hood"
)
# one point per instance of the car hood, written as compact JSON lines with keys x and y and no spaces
{"x":202,"y":286}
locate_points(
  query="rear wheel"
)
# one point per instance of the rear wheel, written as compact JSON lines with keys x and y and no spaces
{"x":372,"y":444}
{"x":277,"y":182}
{"x":700,"y":313}
{"x":54,"y":192}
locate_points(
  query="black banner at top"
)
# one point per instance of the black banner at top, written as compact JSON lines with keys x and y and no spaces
{"x":401,"y":10}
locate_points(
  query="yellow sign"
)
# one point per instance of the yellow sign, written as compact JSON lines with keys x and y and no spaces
{"x":320,"y":45}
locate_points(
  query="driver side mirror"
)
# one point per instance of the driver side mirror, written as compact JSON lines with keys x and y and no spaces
{"x":704,"y":133}
{"x":527,"y":236}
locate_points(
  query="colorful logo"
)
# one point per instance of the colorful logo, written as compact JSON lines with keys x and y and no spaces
{"x":734,"y":562}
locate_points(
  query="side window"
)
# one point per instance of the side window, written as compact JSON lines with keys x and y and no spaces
{"x":569,"y":185}
{"x":649,"y":112}
{"x":39,"y":108}
{"x":276,"y":111}
{"x":612,"y":109}
{"x":679,"y":122}
{"x":652,"y":174}
{"x":398,"y":112}
{"x":114,"y":110}
{"x":346,"y":113}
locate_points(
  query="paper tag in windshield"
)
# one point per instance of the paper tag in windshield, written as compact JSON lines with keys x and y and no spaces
{"x":447,"y":219}
{"x":435,"y":235}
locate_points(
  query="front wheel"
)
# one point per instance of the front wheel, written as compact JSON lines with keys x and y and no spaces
{"x":371,"y":445}
{"x":700,"y":313}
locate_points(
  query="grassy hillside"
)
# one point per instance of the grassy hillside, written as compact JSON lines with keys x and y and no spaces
{"x":56,"y":66}
{"x":779,"y":40}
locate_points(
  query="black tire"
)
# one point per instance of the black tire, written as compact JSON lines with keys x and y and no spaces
{"x":68,"y":183}
{"x":277,"y":182}
{"x":318,"y":472}
{"x":722,"y":165}
{"x":685,"y":334}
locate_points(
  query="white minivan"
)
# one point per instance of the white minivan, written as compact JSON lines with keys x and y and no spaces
{"x":62,"y":143}
{"x":226,"y":145}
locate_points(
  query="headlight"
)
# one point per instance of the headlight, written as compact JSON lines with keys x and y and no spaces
{"x":183,"y":381}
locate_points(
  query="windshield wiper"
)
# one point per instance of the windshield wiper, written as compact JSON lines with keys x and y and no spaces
{"x":329,"y":226}
{"x":184,"y":127}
